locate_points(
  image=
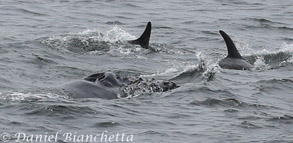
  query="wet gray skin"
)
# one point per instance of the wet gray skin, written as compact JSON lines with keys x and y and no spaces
{"x":236,"y":64}
{"x":109,"y":86}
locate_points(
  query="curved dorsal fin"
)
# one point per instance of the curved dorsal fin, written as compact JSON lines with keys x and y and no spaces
{"x":232,"y":50}
{"x":144,"y":39}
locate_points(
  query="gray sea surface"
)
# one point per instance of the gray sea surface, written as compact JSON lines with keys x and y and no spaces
{"x":46,"y":43}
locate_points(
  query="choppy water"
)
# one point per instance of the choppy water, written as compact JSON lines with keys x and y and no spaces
{"x":48,"y":43}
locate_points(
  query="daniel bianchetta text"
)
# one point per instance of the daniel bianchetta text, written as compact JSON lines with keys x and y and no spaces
{"x":105,"y":136}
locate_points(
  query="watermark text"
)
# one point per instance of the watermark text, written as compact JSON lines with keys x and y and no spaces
{"x":46,"y":137}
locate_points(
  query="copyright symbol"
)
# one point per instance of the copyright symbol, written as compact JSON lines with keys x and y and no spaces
{"x":5,"y":137}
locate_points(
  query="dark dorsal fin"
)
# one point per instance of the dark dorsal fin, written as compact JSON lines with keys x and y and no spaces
{"x":144,"y":39}
{"x":232,"y":50}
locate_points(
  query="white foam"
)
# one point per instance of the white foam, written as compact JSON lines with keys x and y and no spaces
{"x":260,"y":64}
{"x":113,"y":35}
{"x":19,"y":96}
{"x":124,"y":51}
{"x":244,"y":48}
{"x":209,"y":66}
{"x":290,"y":60}
{"x":286,"y":47}
{"x":117,"y":34}
{"x":88,"y":32}
{"x":162,"y":73}
{"x":248,"y":51}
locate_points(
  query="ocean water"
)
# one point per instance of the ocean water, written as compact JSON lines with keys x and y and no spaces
{"x":48,"y":43}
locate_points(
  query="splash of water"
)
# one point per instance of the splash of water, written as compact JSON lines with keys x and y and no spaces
{"x":260,"y":65}
{"x":207,"y":65}
{"x":89,"y":40}
{"x":21,"y":96}
{"x":266,"y":59}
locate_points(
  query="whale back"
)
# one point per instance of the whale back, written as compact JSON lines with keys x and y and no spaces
{"x":236,"y":64}
{"x":232,"y":50}
{"x":87,"y":89}
{"x":107,"y":79}
{"x":107,"y":85}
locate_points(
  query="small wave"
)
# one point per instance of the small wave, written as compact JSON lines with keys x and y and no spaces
{"x":46,"y":104}
{"x":66,"y":110}
{"x":152,"y":132}
{"x":272,"y":86}
{"x":23,"y":10}
{"x":42,"y":60}
{"x":106,"y":124}
{"x":268,"y":27}
{"x":28,"y":96}
{"x":264,"y":23}
{"x":229,"y":102}
{"x":277,"y":81}
{"x":114,"y":23}
{"x":263,"y":20}
{"x":247,"y":3}
{"x":33,"y":13}
{"x":286,"y":119}
{"x":249,"y":125}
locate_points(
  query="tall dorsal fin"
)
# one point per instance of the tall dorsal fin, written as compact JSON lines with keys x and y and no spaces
{"x":232,"y":50}
{"x":144,"y":39}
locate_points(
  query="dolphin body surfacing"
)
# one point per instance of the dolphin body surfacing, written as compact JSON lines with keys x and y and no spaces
{"x":144,"y":39}
{"x":107,"y":85}
{"x":234,"y":60}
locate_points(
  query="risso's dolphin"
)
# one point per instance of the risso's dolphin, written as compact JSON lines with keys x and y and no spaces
{"x":107,"y":85}
{"x":234,"y":60}
{"x":144,"y":39}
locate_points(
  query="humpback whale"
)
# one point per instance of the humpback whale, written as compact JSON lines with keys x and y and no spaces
{"x":144,"y":39}
{"x":234,"y":60}
{"x":107,"y":85}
